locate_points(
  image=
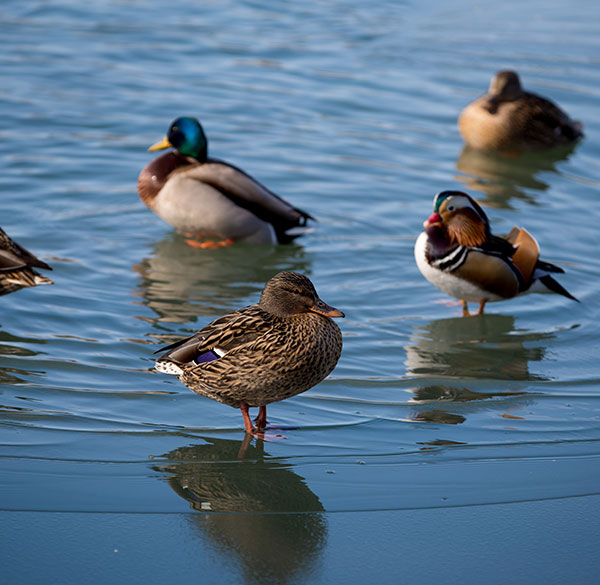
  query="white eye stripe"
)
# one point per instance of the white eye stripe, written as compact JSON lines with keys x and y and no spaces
{"x":458,"y":202}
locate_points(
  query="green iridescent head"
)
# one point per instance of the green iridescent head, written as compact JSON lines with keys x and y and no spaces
{"x":187,"y":137}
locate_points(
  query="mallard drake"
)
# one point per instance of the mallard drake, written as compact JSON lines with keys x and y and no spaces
{"x":262,"y":353}
{"x":16,"y":266}
{"x":458,"y":253}
{"x":209,"y":198}
{"x":511,"y":120}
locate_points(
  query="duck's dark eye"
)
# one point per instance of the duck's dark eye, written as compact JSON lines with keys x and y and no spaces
{"x":176,"y":136}
{"x":450,"y":207}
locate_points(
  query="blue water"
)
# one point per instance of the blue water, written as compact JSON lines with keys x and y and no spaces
{"x":348,"y":110}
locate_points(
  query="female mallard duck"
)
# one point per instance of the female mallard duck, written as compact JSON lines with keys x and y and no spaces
{"x":511,"y":120}
{"x":458,"y":253}
{"x":210,"y":198}
{"x":15,"y":266}
{"x":262,"y":353}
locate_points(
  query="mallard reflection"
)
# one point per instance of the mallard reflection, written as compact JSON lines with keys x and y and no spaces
{"x":502,"y":178}
{"x":179,"y":282}
{"x":269,"y":520}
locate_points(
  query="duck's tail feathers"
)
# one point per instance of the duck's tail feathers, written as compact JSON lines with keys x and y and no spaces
{"x":547,"y":267}
{"x":39,"y":279}
{"x":15,"y":280}
{"x":168,"y":367}
{"x":555,"y":286}
{"x":299,"y":230}
{"x":578,"y":128}
{"x":186,"y":352}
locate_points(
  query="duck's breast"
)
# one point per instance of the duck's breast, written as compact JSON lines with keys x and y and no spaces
{"x":483,"y":130}
{"x":479,"y":277}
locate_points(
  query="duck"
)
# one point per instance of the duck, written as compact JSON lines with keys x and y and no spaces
{"x":16,"y":266}
{"x":458,"y":253}
{"x":511,"y":120}
{"x":210,"y":199}
{"x":263,"y":353}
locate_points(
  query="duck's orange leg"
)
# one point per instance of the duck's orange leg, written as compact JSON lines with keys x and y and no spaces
{"x":261,"y":419}
{"x":249,"y":428}
{"x":481,"y":305}
{"x":465,"y":308}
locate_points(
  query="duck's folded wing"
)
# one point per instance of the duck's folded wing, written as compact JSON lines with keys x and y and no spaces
{"x":247,"y":192}
{"x":13,"y":256}
{"x":548,"y":117}
{"x":10,"y":261}
{"x":492,"y":272}
{"x":498,"y":246}
{"x":527,"y":253}
{"x":225,"y":334}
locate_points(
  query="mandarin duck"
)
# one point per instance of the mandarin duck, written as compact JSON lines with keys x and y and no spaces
{"x":458,"y":253}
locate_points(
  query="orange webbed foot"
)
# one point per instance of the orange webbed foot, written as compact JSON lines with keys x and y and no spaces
{"x":210,"y":244}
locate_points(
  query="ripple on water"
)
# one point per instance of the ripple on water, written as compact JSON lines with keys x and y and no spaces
{"x":351,"y":116}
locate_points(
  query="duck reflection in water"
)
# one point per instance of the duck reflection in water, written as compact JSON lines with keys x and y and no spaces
{"x":180,"y":283}
{"x":268,"y":521}
{"x":490,"y":349}
{"x":501,"y":178}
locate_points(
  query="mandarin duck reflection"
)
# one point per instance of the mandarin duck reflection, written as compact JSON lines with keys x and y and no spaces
{"x":511,"y":120}
{"x":262,"y":353}
{"x":209,"y":198}
{"x":458,"y":253}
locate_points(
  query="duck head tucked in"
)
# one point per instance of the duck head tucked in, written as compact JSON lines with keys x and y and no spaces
{"x":510,"y":120}
{"x":210,"y":200}
{"x":458,"y":253}
{"x":262,"y":353}
{"x":504,"y":87}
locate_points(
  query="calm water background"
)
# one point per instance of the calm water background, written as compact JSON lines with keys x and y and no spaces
{"x":349,"y":111}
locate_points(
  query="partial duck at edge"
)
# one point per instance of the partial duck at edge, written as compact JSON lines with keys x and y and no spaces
{"x":16,"y":266}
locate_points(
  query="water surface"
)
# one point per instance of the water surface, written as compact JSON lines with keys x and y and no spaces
{"x":348,"y":111}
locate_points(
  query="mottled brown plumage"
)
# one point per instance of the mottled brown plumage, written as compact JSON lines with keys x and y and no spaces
{"x":511,"y":120}
{"x":262,"y":353}
{"x":16,"y":266}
